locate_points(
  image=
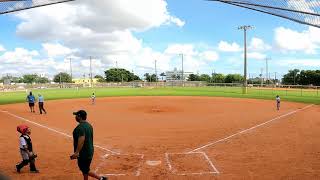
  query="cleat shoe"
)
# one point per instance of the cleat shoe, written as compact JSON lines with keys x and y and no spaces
{"x":34,"y":171}
{"x":18,"y":168}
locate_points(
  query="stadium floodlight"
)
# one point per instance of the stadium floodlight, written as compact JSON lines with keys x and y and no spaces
{"x":300,"y":11}
{"x":245,"y":82}
{"x":9,"y":6}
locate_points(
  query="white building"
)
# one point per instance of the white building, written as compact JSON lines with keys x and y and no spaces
{"x":176,"y":75}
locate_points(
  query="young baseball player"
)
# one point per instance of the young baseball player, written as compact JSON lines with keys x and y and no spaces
{"x":278,"y":102}
{"x":31,"y":99}
{"x":26,"y":150}
{"x":93,"y":98}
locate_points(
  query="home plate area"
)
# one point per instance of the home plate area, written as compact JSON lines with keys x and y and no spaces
{"x":195,"y":163}
{"x":120,"y":165}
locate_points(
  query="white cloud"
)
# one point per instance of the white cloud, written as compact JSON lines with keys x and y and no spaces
{"x":299,"y":62}
{"x":2,"y":48}
{"x":187,"y":49}
{"x":229,"y":47}
{"x":18,"y":56}
{"x":258,"y":45}
{"x":103,"y":29}
{"x":194,"y":59}
{"x":209,"y":56}
{"x":177,"y":21}
{"x":256,"y":56}
{"x":307,"y":41}
{"x":53,"y":50}
{"x":22,"y":61}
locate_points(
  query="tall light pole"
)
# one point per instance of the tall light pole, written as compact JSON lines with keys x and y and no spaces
{"x":267,"y":70}
{"x":261,"y":77}
{"x":182,"y":68}
{"x":245,"y":28}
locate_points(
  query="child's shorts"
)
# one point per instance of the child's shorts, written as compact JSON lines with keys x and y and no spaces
{"x":24,"y":154}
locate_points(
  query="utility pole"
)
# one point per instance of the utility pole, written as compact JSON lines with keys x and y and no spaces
{"x":261,"y":77}
{"x":245,"y":28}
{"x":275,"y":77}
{"x":182,"y":70}
{"x":267,"y":70}
{"x":70,"y":68}
{"x":91,"y":72}
{"x":212,"y":75}
{"x":60,"y":80}
{"x":118,"y":71}
{"x":155,"y":69}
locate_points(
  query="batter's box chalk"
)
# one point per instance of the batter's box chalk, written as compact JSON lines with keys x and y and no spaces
{"x":120,"y":165}
{"x":195,"y":163}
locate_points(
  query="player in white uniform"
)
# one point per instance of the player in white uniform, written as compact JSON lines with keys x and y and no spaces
{"x":93,"y":98}
{"x":278,"y":102}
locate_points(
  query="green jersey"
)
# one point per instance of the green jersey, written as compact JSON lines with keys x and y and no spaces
{"x":84,"y":129}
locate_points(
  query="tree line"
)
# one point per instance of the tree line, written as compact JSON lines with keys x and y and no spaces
{"x":302,"y":77}
{"x":293,"y":77}
{"x":217,"y":78}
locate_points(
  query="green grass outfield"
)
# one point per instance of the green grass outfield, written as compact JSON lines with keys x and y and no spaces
{"x":304,"y":96}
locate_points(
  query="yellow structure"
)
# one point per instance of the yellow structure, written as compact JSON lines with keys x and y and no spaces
{"x":85,"y":81}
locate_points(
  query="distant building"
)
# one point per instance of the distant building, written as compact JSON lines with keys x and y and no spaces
{"x":176,"y":75}
{"x":43,"y":75}
{"x":85,"y":81}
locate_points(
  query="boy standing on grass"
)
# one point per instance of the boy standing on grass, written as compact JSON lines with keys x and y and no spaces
{"x":278,"y":102}
{"x":26,"y":150}
{"x":31,"y":99}
{"x":83,"y":145}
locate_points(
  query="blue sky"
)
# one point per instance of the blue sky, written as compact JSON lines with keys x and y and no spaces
{"x":135,"y":34}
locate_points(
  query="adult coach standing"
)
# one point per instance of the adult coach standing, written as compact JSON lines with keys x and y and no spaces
{"x":31,"y":99}
{"x":41,"y":104}
{"x":83,"y":145}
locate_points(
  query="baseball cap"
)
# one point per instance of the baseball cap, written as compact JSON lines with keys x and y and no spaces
{"x":81,"y":113}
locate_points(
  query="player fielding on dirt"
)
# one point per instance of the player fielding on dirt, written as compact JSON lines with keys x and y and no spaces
{"x":83,"y":145}
{"x":31,"y":99}
{"x":93,"y":99}
{"x":278,"y":102}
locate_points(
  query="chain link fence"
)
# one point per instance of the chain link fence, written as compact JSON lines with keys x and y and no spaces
{"x":258,"y":89}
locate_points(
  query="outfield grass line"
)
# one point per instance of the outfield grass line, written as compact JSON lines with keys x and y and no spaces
{"x":54,"y":130}
{"x":53,"y":94}
{"x":249,"y":129}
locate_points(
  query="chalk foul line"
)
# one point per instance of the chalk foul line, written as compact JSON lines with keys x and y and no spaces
{"x":54,"y":130}
{"x":249,"y":129}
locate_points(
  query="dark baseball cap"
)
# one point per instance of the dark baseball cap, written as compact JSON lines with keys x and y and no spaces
{"x":81,"y":113}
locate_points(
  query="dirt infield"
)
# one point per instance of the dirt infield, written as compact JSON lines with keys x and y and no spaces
{"x":171,"y":138}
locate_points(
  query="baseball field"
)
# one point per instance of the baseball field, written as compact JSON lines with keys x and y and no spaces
{"x":169,"y":133}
